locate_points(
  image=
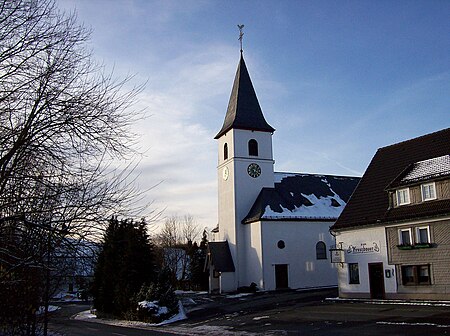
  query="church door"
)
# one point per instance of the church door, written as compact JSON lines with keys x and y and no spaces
{"x":281,"y":276}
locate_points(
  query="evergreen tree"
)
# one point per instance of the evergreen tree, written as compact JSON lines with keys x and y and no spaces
{"x":125,"y":263}
{"x":199,"y":278}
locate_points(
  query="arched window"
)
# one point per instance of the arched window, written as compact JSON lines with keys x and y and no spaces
{"x":253,"y":147}
{"x":225,"y":151}
{"x":321,"y":250}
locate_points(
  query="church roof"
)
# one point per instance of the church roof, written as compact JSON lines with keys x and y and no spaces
{"x":243,"y":110}
{"x":404,"y":163}
{"x":220,"y":256}
{"x":303,"y":197}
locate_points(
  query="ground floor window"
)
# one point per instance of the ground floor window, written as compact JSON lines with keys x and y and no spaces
{"x":414,"y":275}
{"x":353,"y":273}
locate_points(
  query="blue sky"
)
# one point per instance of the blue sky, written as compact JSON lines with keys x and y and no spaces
{"x":336,"y":79}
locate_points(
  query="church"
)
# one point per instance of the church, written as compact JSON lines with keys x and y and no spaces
{"x":273,"y":228}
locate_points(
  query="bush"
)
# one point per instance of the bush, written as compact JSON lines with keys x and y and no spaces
{"x":156,"y":302}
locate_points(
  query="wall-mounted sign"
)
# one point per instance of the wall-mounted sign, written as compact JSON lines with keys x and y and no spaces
{"x":337,"y":256}
{"x":364,"y":248}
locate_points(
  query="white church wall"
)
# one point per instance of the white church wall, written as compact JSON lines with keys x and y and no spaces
{"x":253,"y":251}
{"x":375,"y":251}
{"x":226,"y":206}
{"x":241,"y":138}
{"x":238,"y":190}
{"x":299,"y":253}
{"x":227,"y":282}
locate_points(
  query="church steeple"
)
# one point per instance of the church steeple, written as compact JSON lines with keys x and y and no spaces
{"x":243,"y":110}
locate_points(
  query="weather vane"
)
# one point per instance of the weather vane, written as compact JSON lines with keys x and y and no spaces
{"x":241,"y":34}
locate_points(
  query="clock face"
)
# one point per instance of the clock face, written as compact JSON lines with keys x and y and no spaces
{"x":225,"y":173}
{"x":254,"y":170}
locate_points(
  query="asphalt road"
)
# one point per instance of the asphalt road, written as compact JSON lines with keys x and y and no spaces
{"x":321,"y":318}
{"x":62,"y":323}
{"x":282,"y":313}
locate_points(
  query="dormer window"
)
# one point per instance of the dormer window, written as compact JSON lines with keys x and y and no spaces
{"x":402,"y":196}
{"x":428,"y":191}
{"x":253,"y":147}
{"x":225,"y":151}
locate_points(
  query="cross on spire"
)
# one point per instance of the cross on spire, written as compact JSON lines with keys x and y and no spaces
{"x":241,"y":34}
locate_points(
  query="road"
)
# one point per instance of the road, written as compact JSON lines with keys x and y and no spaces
{"x":286,"y":313}
{"x":348,"y":319}
{"x":62,"y":324}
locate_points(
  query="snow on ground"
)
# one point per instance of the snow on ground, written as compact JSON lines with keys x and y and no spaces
{"x":237,"y":296}
{"x":181,"y":292}
{"x":206,"y":330}
{"x":50,"y":309}
{"x":66,"y":297}
{"x":85,"y":315}
{"x":396,"y":302}
{"x":426,"y":324}
{"x":178,"y":317}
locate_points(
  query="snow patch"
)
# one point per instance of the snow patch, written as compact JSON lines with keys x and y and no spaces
{"x":426,"y":324}
{"x":85,"y":315}
{"x":178,"y":317}
{"x":236,"y":296}
{"x":50,"y":309}
{"x":395,"y":302}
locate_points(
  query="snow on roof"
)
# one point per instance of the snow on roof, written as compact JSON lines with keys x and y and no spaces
{"x":303,"y":197}
{"x":321,"y":208}
{"x":431,"y":168}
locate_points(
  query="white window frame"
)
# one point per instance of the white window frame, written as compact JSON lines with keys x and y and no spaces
{"x":418,"y":235}
{"x":400,"y":238}
{"x":400,"y":192}
{"x":432,"y":187}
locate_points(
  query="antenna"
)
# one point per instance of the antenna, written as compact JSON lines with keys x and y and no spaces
{"x":241,"y":34}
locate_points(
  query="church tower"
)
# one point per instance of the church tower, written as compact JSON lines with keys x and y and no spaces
{"x":245,"y":166}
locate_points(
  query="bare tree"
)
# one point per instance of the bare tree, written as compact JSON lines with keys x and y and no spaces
{"x":190,"y":229}
{"x":63,"y":121}
{"x":176,"y":238}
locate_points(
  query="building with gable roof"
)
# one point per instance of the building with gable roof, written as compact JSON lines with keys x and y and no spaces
{"x":395,"y":230}
{"x":273,"y":227}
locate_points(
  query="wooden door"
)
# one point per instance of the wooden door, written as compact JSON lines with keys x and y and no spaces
{"x":281,"y":276}
{"x":376,"y":280}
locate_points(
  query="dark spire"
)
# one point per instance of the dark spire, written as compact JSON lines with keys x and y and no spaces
{"x":243,"y":110}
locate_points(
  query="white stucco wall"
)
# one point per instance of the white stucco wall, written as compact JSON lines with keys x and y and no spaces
{"x":227,"y":282}
{"x":254,"y":255}
{"x":304,"y":270}
{"x":355,"y":238}
{"x":238,"y":192}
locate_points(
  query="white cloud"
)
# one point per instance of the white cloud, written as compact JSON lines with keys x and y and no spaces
{"x":180,"y":149}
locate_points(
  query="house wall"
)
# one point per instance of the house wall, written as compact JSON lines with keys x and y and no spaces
{"x":368,"y":238}
{"x":300,"y":238}
{"x":437,"y":256}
